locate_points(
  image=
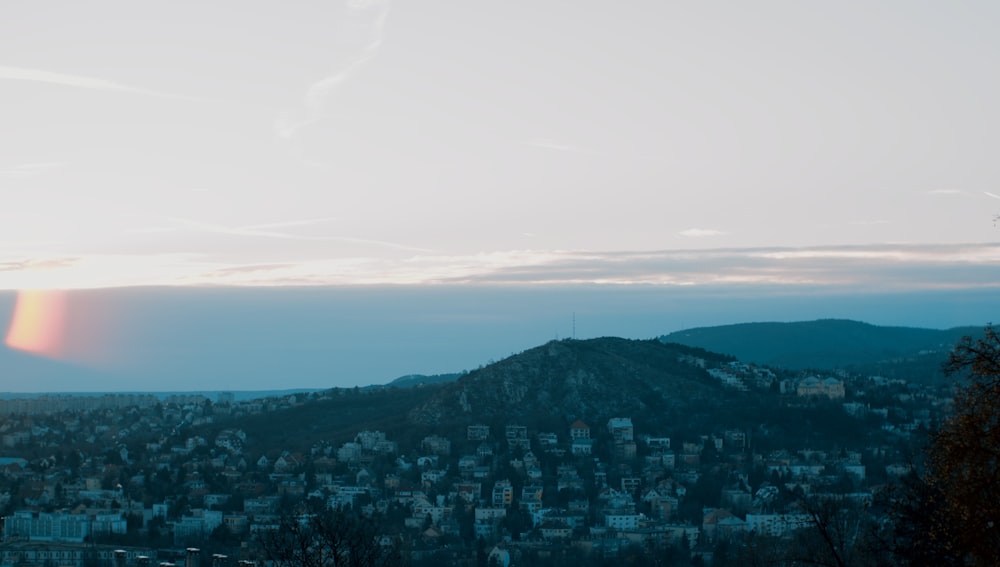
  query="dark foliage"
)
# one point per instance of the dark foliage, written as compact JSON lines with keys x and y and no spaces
{"x":335,"y":418}
{"x":320,"y":536}
{"x":565,"y":380}
{"x":964,"y":463}
{"x":950,"y":514}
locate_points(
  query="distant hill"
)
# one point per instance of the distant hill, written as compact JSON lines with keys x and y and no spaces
{"x":571,"y":379}
{"x":823,"y":344}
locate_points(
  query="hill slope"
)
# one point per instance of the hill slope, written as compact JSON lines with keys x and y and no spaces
{"x":565,"y":380}
{"x":661,"y":387}
{"x":827,"y":343}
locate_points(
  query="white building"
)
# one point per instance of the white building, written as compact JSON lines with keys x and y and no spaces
{"x":622,"y":521}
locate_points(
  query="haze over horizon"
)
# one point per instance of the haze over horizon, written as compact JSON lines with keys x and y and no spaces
{"x":189,"y":339}
{"x":655,"y":163}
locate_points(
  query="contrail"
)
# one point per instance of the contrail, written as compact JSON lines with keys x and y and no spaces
{"x":320,"y":92}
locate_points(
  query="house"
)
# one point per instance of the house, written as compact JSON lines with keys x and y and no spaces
{"x":552,"y":531}
{"x":532,"y":493}
{"x":503,"y":494}
{"x":516,"y":432}
{"x":436,"y":445}
{"x":730,"y":528}
{"x":710,"y":521}
{"x":833,"y":388}
{"x":478,"y":432}
{"x":631,"y":484}
{"x":287,"y":462}
{"x":484,"y":450}
{"x":734,"y":439}
{"x":777,"y":525}
{"x":469,"y":491}
{"x":196,"y":526}
{"x":813,"y":386}
{"x":622,"y":521}
{"x":579,"y":430}
{"x":621,"y":429}
{"x":582,"y":447}
{"x":517,"y":436}
{"x":349,"y":452}
{"x":368,"y":439}
{"x":548,"y":441}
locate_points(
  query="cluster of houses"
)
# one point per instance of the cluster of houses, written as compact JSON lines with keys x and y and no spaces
{"x":601,"y":489}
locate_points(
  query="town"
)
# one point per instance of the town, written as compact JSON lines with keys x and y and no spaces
{"x":139,"y":479}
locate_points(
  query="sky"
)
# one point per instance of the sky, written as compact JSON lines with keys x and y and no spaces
{"x":642,"y":145}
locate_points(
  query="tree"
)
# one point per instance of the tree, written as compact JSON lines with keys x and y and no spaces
{"x":321,"y":536}
{"x":964,"y":458}
{"x":919,"y":533}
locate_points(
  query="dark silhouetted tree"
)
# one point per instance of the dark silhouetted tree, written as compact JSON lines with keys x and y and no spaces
{"x":963,"y":475}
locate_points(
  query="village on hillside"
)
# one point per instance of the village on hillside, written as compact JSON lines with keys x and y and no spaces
{"x":127,"y":479}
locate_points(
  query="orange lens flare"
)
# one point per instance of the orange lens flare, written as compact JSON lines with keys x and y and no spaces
{"x":39,"y":324}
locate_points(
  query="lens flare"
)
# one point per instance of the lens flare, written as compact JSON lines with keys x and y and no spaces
{"x":69,"y":326}
{"x":39,"y":323}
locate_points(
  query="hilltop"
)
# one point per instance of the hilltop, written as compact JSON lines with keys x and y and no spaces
{"x":824,"y":344}
{"x":571,"y":379}
{"x":417,"y":380}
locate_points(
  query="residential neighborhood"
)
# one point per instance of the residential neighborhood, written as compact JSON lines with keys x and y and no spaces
{"x":154,"y":478}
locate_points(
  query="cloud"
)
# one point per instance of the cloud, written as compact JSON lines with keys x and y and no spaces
{"x":29,"y":170}
{"x":103,"y":270}
{"x":79,"y":81}
{"x":701,"y":233}
{"x":250,"y":269}
{"x":34,"y":265}
{"x":861,"y":267}
{"x":848,"y":268}
{"x":945,"y":192}
{"x":988,"y":194}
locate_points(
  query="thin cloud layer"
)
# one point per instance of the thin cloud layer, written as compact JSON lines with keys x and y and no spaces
{"x":76,"y":81}
{"x":883,"y":267}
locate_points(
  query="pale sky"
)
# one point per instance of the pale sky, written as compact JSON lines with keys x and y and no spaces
{"x":368,"y":141}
